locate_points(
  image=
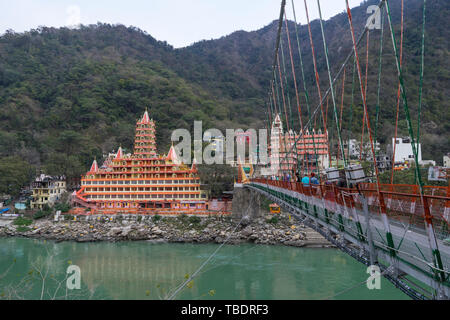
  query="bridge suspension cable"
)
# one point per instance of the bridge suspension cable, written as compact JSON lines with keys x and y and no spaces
{"x":333,"y":99}
{"x":428,"y":218}
{"x":398,"y":96}
{"x":319,"y":114}
{"x":305,"y":89}
{"x":319,"y":107}
{"x":380,"y":64}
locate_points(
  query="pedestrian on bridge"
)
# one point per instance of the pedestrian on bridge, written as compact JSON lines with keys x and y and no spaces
{"x":305,"y":181}
{"x":314,"y":180}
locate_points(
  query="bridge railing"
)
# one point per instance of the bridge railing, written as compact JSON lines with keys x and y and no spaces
{"x":403,"y":202}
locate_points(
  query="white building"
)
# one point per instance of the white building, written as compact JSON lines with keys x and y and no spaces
{"x":447,"y":160}
{"x":403,"y":150}
{"x":354,"y":149}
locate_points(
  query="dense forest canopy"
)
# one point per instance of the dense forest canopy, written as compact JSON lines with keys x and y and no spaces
{"x":69,"y":95}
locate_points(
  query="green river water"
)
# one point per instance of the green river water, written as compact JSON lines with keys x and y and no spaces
{"x":141,"y":270}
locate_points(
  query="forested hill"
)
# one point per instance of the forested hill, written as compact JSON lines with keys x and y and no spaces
{"x":69,"y":95}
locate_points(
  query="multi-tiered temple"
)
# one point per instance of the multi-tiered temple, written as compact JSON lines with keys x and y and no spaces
{"x":143,"y":181}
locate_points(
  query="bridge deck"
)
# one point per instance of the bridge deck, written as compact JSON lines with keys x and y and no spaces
{"x":341,"y":211}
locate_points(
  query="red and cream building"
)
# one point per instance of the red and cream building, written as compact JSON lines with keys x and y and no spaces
{"x":143,"y":181}
{"x":311,"y":152}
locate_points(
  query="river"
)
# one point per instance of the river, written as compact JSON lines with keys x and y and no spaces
{"x":142,"y":270}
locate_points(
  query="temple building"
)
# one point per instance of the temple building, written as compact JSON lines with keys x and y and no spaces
{"x":142,"y":181}
{"x":310,"y":154}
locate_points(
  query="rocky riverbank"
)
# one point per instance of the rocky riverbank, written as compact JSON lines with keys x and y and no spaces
{"x":266,"y":230}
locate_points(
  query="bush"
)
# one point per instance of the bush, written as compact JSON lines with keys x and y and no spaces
{"x":156,"y":217}
{"x":20,"y":221}
{"x":45,"y":212}
{"x":23,"y":229}
{"x":273,"y":220}
{"x":64,"y":207}
{"x":194,"y":219}
{"x":41,"y":214}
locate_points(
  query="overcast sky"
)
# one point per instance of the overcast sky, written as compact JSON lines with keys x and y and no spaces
{"x":179,"y":22}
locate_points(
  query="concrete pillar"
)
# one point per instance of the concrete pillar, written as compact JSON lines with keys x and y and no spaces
{"x":245,"y":203}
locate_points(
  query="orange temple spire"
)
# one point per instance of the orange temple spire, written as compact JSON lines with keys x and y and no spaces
{"x":94,"y":166}
{"x":119,"y":153}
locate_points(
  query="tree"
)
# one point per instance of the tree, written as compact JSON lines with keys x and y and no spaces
{"x":14,"y":175}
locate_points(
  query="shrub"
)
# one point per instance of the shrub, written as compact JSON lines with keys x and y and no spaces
{"x":64,"y":207}
{"x":41,"y":214}
{"x":20,"y":221}
{"x":46,"y":211}
{"x":23,"y":229}
{"x":194,"y":219}
{"x":273,"y":220}
{"x":156,"y":217}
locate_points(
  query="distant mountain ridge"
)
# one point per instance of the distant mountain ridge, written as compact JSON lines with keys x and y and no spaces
{"x":68,"y":95}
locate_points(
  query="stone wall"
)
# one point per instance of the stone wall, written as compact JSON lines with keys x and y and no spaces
{"x":246,"y":203}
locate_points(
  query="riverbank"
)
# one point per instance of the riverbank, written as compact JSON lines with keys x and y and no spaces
{"x":182,"y":229}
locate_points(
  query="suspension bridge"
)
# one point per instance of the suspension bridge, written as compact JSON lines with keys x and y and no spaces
{"x":401,"y":228}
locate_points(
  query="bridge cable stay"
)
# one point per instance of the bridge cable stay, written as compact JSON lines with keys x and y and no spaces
{"x":282,"y":92}
{"x":326,"y":120}
{"x":275,"y":98}
{"x":282,"y":72}
{"x":271,"y":105}
{"x":299,"y":109}
{"x":319,"y":107}
{"x":269,"y":117}
{"x":382,"y":206}
{"x":342,"y":110}
{"x":337,"y":121}
{"x":325,"y":48}
{"x":305,"y":89}
{"x":427,"y":215}
{"x":282,"y":85}
{"x":283,"y":60}
{"x":380,"y":64}
{"x":353,"y":287}
{"x":398,"y":97}
{"x":196,"y":272}
{"x":277,"y":43}
{"x":277,"y":90}
{"x":350,"y":129}
{"x":282,"y":135}
{"x":365,"y":90}
{"x":291,"y":135}
{"x":275,"y":63}
{"x":422,"y":63}
{"x":317,"y":77}
{"x":272,"y":108}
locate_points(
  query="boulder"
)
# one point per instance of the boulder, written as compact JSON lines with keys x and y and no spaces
{"x":247,"y":231}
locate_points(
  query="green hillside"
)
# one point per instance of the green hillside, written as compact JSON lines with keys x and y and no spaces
{"x":69,"y":95}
